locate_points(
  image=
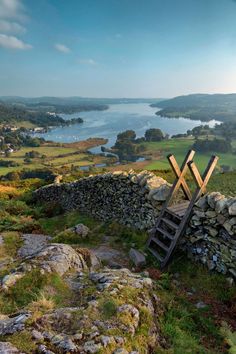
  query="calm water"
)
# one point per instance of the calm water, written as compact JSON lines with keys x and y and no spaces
{"x":119,"y":117}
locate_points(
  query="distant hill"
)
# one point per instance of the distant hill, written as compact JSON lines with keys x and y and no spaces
{"x":74,"y":100}
{"x":37,"y":113}
{"x":204,"y":107}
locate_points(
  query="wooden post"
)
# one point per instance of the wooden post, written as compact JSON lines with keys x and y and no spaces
{"x":180,"y":173}
{"x":202,"y":181}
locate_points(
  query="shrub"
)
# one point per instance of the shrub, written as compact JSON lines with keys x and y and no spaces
{"x":8,"y":163}
{"x":154,"y":134}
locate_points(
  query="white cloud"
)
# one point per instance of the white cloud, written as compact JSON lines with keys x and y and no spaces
{"x":10,"y":12}
{"x":11,"y":27}
{"x":12,"y":9}
{"x":11,"y":42}
{"x":88,"y":61}
{"x":62,"y":48}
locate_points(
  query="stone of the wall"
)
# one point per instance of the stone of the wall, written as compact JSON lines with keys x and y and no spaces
{"x":136,"y":199}
{"x":211,"y":235}
{"x":131,"y":199}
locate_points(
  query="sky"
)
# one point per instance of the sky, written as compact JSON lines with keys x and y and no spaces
{"x":117,"y":48}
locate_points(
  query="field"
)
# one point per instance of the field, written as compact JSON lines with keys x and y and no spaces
{"x":55,"y":155}
{"x":179,"y":148}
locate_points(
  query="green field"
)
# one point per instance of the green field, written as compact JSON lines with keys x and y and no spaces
{"x":179,"y":148}
{"x":55,"y":156}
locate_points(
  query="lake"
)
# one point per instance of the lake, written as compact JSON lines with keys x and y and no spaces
{"x":118,"y":118}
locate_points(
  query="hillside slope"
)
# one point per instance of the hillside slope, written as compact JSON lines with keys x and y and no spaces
{"x":221,"y":107}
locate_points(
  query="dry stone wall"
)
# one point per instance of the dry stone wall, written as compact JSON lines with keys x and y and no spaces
{"x":131,"y":199}
{"x":211,"y":235}
{"x":136,"y":199}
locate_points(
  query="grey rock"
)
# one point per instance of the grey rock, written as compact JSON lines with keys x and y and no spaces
{"x":212,"y":231}
{"x":202,"y":203}
{"x":14,"y":324}
{"x":37,"y":335}
{"x":106,"y":340}
{"x":161,"y":193}
{"x":230,"y":281}
{"x":8,"y":348}
{"x":42,"y":349}
{"x":81,"y":230}
{"x":210,"y":214}
{"x":137,"y":257}
{"x":120,"y":351}
{"x":213,"y":198}
{"x":10,"y":280}
{"x":59,"y":258}
{"x":200,"y":305}
{"x":233,"y":272}
{"x":67,"y":345}
{"x":221,"y":205}
{"x":32,"y":244}
{"x":232,"y":209}
{"x":92,"y":347}
{"x":211,"y":265}
{"x":228,"y":227}
{"x":221,"y":219}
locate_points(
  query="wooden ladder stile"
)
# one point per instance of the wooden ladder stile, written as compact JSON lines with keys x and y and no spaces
{"x":181,"y":213}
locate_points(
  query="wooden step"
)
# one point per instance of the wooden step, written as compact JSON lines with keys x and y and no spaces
{"x":179,"y":209}
{"x":155,"y":254}
{"x":179,"y":206}
{"x":165,"y":233}
{"x":160,"y":244}
{"x":170,"y":212}
{"x":170,"y":223}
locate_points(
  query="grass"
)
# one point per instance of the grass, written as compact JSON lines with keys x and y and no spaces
{"x":50,"y":151}
{"x":187,"y":328}
{"x":126,"y":235}
{"x":108,"y":308}
{"x":58,"y":223}
{"x":179,"y":148}
{"x":12,"y":242}
{"x":22,"y":340}
{"x":29,"y":289}
{"x":213,"y":285}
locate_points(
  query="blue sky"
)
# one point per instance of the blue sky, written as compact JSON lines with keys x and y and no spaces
{"x":117,"y":48}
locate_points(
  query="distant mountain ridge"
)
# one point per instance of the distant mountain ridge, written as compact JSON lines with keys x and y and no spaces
{"x":74,"y":100}
{"x":204,"y":107}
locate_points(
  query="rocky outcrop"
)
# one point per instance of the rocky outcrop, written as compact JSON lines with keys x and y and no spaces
{"x":58,"y":258}
{"x":130,"y":198}
{"x":108,"y":318}
{"x":54,"y":257}
{"x":32,"y":243}
{"x":115,"y":311}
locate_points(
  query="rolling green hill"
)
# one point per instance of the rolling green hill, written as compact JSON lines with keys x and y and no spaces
{"x":204,"y":107}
